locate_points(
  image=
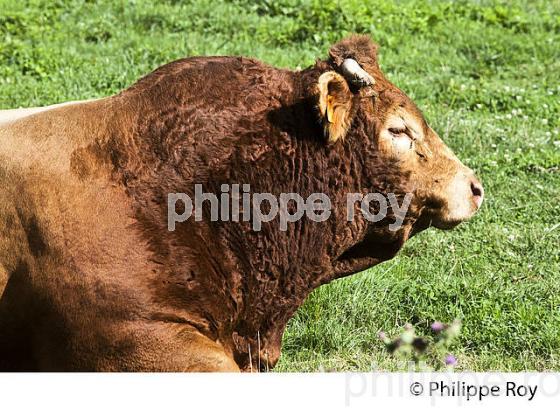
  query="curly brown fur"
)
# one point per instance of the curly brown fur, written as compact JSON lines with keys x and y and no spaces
{"x":92,"y":278}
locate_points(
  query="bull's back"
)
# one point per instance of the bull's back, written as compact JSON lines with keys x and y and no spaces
{"x":11,"y":115}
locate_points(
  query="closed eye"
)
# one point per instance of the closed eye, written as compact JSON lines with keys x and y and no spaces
{"x":401,"y":132}
{"x":397,"y":131}
{"x":402,"y":136}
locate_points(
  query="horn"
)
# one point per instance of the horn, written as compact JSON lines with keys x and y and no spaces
{"x":355,"y":74}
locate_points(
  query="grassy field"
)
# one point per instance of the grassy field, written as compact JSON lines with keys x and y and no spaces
{"x":487,"y":76}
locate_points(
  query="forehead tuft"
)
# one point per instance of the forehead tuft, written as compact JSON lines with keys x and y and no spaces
{"x":358,"y":47}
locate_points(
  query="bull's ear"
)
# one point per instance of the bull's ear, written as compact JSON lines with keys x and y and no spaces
{"x":335,"y":105}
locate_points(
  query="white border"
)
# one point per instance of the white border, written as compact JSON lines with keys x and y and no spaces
{"x":261,"y":391}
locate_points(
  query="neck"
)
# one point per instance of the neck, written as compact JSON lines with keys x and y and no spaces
{"x":235,"y":283}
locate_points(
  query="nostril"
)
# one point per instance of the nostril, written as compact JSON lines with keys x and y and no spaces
{"x":478,"y":193}
{"x":476,"y":189}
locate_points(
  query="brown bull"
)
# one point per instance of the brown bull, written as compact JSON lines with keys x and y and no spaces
{"x":91,"y":278}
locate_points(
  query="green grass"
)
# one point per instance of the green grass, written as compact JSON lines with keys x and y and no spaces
{"x":486,"y":74}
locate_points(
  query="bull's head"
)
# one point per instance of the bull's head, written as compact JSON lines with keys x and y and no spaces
{"x":447,"y":191}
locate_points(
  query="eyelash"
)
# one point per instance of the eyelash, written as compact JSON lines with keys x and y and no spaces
{"x":397,"y":132}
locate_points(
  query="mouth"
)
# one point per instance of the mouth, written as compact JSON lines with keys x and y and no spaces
{"x":447,"y":221}
{"x":439,"y":219}
{"x":458,"y":203}
{"x":446,"y":225}
{"x":446,"y":216}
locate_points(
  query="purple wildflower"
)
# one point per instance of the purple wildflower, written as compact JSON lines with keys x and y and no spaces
{"x":383,"y":337}
{"x":450,"y":360}
{"x":437,"y":326}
